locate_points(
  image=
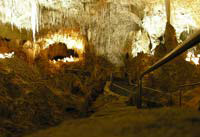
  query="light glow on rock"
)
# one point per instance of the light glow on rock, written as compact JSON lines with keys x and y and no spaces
{"x":141,"y":43}
{"x":66,"y":59}
{"x":23,"y":14}
{"x":73,"y":40}
{"x":192,"y":58}
{"x":6,"y":55}
{"x":34,"y":18}
{"x":155,"y":20}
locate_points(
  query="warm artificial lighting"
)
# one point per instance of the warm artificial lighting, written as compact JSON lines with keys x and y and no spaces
{"x":27,"y":14}
{"x":141,"y":43}
{"x":155,"y":20}
{"x":20,"y":13}
{"x":71,"y":42}
{"x":192,"y":58}
{"x":71,"y":39}
{"x":66,"y":59}
{"x":70,"y":59}
{"x":6,"y":55}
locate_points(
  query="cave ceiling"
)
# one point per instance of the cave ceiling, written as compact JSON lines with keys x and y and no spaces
{"x":108,"y":23}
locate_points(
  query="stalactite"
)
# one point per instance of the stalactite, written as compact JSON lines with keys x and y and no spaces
{"x":34,"y":18}
{"x":168,"y":10}
{"x":108,"y":21}
{"x":21,"y":14}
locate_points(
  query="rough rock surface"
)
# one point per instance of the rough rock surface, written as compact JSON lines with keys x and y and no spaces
{"x":31,"y":98}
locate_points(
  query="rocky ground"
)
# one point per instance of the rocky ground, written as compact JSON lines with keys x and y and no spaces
{"x":114,"y":118}
{"x":35,"y":96}
{"x":62,"y":99}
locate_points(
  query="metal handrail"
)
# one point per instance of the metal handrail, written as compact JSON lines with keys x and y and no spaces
{"x":188,"y":85}
{"x":181,"y":92}
{"x":127,"y":90}
{"x":187,"y":44}
{"x":136,"y":85}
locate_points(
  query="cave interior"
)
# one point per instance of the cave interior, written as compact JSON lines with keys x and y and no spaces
{"x":98,"y":68}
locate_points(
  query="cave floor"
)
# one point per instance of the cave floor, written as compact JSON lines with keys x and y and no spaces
{"x":115,"y":119}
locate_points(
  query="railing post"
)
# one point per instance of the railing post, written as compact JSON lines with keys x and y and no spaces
{"x":111,"y":76}
{"x":139,"y":95}
{"x":180,"y":98}
{"x":187,"y":44}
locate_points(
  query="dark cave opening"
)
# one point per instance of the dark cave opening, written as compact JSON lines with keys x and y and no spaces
{"x":56,"y":58}
{"x":71,"y":52}
{"x":59,"y":51}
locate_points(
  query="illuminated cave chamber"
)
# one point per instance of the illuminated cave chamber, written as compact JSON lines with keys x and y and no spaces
{"x":183,"y":19}
{"x":108,"y":23}
{"x":63,"y":46}
{"x":59,"y":51}
{"x":68,"y":52}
